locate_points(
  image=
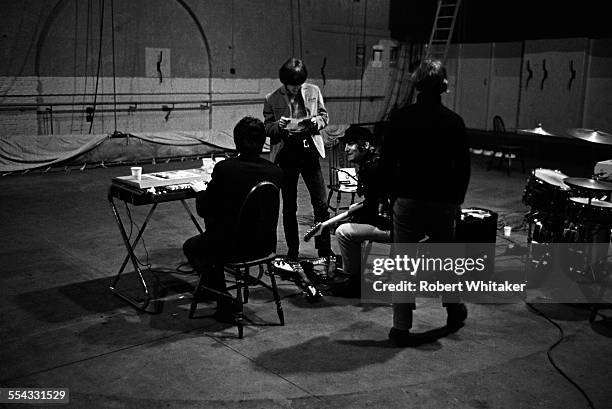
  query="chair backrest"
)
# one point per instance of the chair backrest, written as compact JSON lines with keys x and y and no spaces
{"x":337,"y":159}
{"x":498,"y":124}
{"x":255,"y":230}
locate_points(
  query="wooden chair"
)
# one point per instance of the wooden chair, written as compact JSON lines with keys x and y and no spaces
{"x":338,"y":170}
{"x":505,"y":153}
{"x":254,"y":245}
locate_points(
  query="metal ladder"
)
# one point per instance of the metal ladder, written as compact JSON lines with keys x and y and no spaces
{"x":437,"y":48}
{"x":442,"y":32}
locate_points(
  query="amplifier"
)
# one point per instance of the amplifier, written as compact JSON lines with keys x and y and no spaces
{"x":604,"y":169}
{"x":479,"y":226}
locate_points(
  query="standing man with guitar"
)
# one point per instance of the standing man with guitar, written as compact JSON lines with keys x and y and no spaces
{"x":294,"y":114}
{"x":372,"y":220}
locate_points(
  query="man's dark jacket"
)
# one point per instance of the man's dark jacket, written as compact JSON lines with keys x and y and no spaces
{"x":232,"y":179}
{"x":371,"y":185}
{"x":425,"y":154}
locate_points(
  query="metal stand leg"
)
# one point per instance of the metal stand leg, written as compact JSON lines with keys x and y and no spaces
{"x":193,"y":219}
{"x":141,"y":305}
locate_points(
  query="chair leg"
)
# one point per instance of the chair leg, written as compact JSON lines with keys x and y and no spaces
{"x":491,"y":159}
{"x":239,"y":314}
{"x":246,"y":287}
{"x":500,"y":163}
{"x":365,"y":252}
{"x":509,"y":164}
{"x":196,"y":295}
{"x":279,"y":307}
{"x":329,"y":198}
{"x":261,"y":272}
{"x":593,"y":314}
{"x":338,"y":200}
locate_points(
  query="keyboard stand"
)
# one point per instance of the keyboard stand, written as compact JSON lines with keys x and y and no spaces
{"x":138,"y":198}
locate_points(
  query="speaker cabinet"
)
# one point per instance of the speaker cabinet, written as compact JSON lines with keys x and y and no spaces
{"x":479,"y":225}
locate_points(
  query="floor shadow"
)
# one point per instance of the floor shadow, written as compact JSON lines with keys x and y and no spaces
{"x":564,"y":312}
{"x":603,"y":321}
{"x":154,"y":329}
{"x":358,"y":345}
{"x":71,"y":301}
{"x":603,"y":327}
{"x":428,"y":340}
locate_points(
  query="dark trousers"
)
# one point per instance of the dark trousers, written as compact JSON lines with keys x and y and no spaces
{"x":205,"y":256}
{"x":412,"y":221}
{"x":296,"y":160}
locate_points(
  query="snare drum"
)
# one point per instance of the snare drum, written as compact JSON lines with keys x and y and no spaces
{"x":595,"y":212}
{"x":545,"y":190}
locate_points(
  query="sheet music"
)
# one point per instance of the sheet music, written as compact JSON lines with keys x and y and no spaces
{"x":298,"y":124}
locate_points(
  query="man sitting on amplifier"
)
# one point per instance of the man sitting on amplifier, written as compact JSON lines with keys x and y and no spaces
{"x":372,"y":221}
{"x":219,"y":205}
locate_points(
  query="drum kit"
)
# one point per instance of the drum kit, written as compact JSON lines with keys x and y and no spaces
{"x":572,"y":209}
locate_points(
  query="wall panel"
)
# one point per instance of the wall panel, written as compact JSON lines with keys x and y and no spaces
{"x":549,"y":95}
{"x":473,"y":84}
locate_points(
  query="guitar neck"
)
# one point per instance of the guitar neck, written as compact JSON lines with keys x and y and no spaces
{"x":319,"y":226}
{"x":342,"y":215}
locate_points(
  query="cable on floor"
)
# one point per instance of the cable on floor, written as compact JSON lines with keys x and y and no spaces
{"x":550,"y":358}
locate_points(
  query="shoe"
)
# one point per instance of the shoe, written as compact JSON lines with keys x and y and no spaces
{"x":227,"y":317}
{"x":328,"y":253}
{"x":292,"y":256}
{"x":227,"y":311}
{"x":457,"y":314}
{"x":404,"y":338}
{"x":347,"y":289}
{"x":201,"y":294}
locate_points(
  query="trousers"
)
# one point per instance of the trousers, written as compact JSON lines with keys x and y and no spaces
{"x":350,"y":236}
{"x":203,"y":256}
{"x":296,"y":160}
{"x":413,"y":220}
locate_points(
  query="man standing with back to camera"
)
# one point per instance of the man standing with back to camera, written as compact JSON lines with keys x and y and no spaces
{"x":426,"y":157}
{"x":294,"y":114}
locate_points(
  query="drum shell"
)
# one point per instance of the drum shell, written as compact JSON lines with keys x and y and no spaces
{"x":544,"y":196}
{"x":584,"y":213}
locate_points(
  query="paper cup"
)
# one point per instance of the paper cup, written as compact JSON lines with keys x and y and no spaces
{"x":137,"y":172}
{"x":507,"y":230}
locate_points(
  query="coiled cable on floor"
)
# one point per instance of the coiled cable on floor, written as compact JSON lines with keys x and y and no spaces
{"x":549,"y":353}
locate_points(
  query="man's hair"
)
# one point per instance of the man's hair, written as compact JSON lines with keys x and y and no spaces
{"x":357,"y":134}
{"x":430,"y":77}
{"x":293,"y":72}
{"x":249,"y":135}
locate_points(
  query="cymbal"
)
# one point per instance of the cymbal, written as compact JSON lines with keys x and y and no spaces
{"x":591,"y":135}
{"x":538,"y":130}
{"x":589,"y":184}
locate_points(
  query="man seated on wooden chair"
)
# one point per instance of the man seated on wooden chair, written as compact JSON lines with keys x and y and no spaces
{"x":219,"y":205}
{"x":372,"y":222}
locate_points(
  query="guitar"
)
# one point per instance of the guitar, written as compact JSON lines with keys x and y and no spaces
{"x":321,"y":225}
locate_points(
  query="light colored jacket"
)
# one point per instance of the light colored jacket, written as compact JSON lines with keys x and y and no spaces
{"x":277,"y":104}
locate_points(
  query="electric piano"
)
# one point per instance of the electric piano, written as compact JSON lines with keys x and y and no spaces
{"x":151,"y":189}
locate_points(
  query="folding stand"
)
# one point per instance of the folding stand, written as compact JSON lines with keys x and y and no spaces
{"x":138,"y":198}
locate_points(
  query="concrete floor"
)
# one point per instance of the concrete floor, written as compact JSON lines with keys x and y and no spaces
{"x":62,"y":327}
